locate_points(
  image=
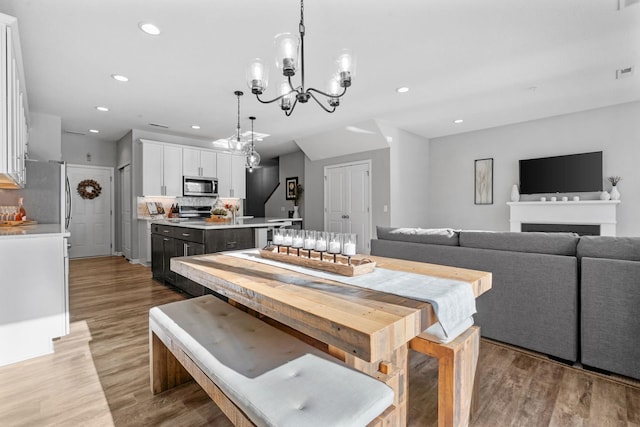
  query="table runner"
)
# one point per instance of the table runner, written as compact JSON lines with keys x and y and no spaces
{"x":452,"y":300}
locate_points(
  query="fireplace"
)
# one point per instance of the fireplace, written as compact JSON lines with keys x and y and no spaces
{"x":585,"y":217}
{"x":581,"y":229}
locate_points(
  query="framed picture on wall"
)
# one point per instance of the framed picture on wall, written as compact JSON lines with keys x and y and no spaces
{"x":290,"y":187}
{"x":483,"y":182}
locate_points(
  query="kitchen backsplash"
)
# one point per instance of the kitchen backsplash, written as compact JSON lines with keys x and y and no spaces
{"x":167,"y":202}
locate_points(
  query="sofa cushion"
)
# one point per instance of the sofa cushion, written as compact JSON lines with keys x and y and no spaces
{"x":534,"y":242}
{"x":624,"y":248}
{"x":434,"y":236}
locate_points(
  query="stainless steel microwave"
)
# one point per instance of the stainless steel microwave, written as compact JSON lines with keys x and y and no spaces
{"x":199,"y":186}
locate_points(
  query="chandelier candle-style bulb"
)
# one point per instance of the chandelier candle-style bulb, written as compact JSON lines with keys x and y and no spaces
{"x":287,"y":46}
{"x":346,"y":63}
{"x":287,"y":96}
{"x":333,"y":89}
{"x":257,"y":77}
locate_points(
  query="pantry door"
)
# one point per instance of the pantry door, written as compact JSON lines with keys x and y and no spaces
{"x":91,"y":224}
{"x":347,"y":201}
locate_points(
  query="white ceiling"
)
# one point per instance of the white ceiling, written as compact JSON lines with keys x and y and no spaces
{"x":469,"y":59}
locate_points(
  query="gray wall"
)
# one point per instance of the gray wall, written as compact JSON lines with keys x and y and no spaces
{"x":614,"y":130}
{"x":45,"y":132}
{"x":278,"y":206}
{"x":83,"y":150}
{"x":380,"y":187}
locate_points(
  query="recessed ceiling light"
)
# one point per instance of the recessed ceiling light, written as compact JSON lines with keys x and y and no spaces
{"x":120,"y":77}
{"x":195,"y":127}
{"x":149,"y":28}
{"x":94,"y":131}
{"x":402,"y":89}
{"x":102,"y":108}
{"x":458,"y":121}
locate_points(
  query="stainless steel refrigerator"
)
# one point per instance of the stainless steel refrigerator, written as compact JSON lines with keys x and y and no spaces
{"x":46,"y":195}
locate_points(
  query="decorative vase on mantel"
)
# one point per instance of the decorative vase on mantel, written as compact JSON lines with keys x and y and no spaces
{"x":604,"y":195}
{"x":515,"y":194}
{"x":296,"y":214}
{"x":615,"y":194}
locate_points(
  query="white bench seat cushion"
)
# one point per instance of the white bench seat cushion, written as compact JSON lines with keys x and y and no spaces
{"x":276,"y":379}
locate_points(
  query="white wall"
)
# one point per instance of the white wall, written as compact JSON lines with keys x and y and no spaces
{"x":409,"y":177}
{"x":614,"y":130}
{"x":45,"y":140}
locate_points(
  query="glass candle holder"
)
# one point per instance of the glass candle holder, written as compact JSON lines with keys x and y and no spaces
{"x":309,"y":240}
{"x":321,"y":242}
{"x":335,"y":244}
{"x":277,"y":237}
{"x":298,"y":240}
{"x":349,"y":245}
{"x":287,"y":239}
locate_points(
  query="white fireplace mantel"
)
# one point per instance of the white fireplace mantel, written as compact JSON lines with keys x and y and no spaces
{"x":589,"y":212}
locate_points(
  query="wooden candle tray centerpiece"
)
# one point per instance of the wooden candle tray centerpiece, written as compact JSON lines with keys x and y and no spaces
{"x":5,"y":223}
{"x":311,"y":259}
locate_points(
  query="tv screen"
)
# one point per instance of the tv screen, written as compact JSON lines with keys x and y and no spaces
{"x":562,"y":174}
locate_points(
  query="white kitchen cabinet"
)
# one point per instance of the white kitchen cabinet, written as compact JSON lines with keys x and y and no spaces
{"x":197,"y":162}
{"x":231,"y":176}
{"x":161,"y":169}
{"x":13,"y":106}
{"x":238,"y":176}
{"x":34,"y":308}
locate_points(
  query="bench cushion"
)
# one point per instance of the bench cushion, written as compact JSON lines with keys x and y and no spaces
{"x":276,"y":379}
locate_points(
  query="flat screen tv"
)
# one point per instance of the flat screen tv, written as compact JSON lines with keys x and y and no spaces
{"x":562,"y":174}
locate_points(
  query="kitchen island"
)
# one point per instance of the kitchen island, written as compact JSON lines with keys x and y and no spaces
{"x":34,"y":308}
{"x":182,"y":237}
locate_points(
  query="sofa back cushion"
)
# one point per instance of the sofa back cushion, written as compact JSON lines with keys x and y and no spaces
{"x":434,"y":236}
{"x":624,"y":248}
{"x":534,"y":242}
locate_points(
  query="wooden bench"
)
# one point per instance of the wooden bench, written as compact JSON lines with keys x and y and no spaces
{"x":255,"y":373}
{"x":457,"y":382}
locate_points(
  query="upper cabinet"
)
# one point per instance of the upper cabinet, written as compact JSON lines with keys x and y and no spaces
{"x":161,"y":169}
{"x":197,"y":162}
{"x":231,"y":176}
{"x":13,"y":106}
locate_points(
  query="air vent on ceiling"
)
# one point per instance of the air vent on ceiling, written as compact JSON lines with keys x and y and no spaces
{"x":74,"y":132}
{"x":158,"y":125}
{"x":624,"y":72}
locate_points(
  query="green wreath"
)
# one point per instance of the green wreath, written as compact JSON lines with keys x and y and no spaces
{"x":89,"y":189}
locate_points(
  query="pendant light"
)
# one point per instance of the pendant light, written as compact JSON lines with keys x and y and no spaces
{"x":253,"y":158}
{"x":287,"y":47}
{"x":237,"y":143}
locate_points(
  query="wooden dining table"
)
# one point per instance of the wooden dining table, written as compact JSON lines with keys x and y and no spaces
{"x":371,"y":331}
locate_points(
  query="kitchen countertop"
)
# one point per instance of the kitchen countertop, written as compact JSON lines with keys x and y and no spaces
{"x":240,"y":223}
{"x":36,"y":230}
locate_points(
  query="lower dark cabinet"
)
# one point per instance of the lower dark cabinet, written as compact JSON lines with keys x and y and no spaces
{"x":173,"y":241}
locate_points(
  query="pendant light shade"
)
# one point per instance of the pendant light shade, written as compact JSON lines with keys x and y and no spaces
{"x":253,"y":158}
{"x":237,"y":143}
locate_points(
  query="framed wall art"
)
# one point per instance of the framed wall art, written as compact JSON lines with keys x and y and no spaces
{"x":483,"y":182}
{"x":290,"y":187}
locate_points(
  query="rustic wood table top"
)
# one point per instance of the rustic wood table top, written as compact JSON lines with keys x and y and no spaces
{"x":364,"y":323}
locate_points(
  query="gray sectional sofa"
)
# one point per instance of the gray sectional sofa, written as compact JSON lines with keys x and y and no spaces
{"x":570,"y":297}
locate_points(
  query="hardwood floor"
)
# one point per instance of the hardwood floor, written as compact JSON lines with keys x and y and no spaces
{"x":99,"y":376}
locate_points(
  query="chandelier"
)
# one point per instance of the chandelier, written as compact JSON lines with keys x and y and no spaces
{"x":237,"y":143}
{"x":253,"y":158}
{"x":287,"y":58}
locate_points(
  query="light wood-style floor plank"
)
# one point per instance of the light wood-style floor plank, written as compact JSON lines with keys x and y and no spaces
{"x":99,"y":374}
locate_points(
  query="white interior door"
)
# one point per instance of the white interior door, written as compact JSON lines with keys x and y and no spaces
{"x":91,"y":223}
{"x":348,"y":202}
{"x":125,"y":212}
